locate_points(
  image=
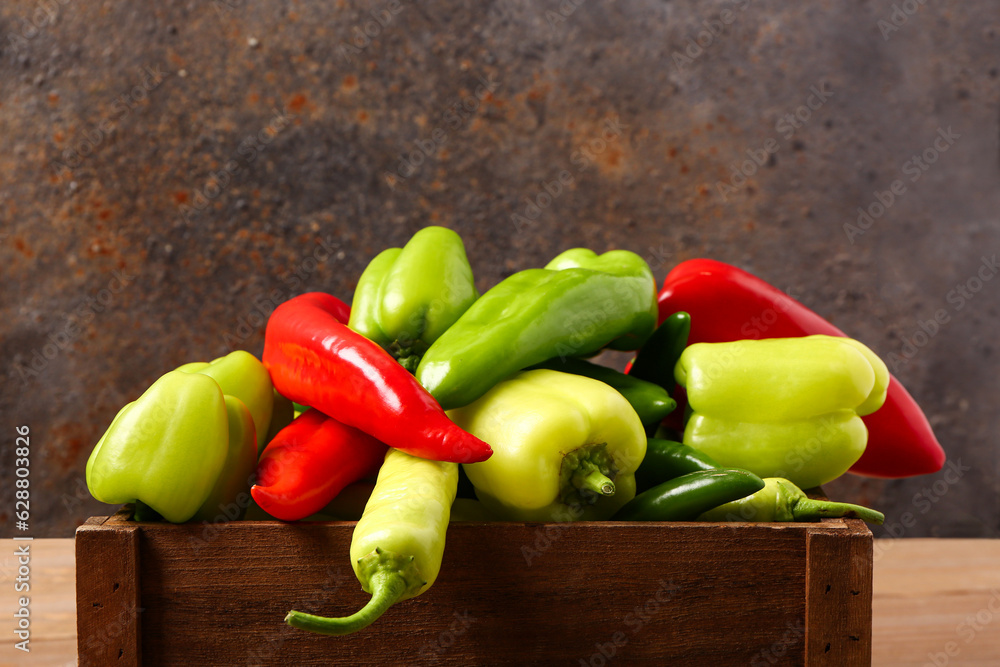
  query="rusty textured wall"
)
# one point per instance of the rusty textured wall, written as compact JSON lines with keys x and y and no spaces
{"x":170,"y":170}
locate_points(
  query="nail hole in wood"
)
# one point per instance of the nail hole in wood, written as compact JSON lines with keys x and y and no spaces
{"x":828,"y":588}
{"x":115,"y":587}
{"x":99,"y":605}
{"x":827,"y":649}
{"x":121,"y":652}
{"x":854,"y":639}
{"x":855,"y":592}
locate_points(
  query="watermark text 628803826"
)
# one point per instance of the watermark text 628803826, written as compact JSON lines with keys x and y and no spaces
{"x":22,"y":514}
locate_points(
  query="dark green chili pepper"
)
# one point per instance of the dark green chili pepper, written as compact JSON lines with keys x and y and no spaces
{"x":657,"y":357}
{"x":684,"y":498}
{"x":650,"y":401}
{"x":667,"y":459}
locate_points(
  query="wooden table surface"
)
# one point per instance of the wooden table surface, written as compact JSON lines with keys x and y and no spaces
{"x":936,"y":602}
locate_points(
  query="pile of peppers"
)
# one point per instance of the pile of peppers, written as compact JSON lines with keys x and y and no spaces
{"x":423,"y":402}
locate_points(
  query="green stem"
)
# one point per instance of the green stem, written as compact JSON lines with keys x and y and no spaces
{"x":591,"y":478}
{"x":807,"y":509}
{"x":387,"y":587}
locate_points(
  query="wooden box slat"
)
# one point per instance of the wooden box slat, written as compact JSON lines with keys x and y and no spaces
{"x":509,"y":593}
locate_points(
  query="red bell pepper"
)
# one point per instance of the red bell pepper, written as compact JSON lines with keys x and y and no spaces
{"x":309,"y":462}
{"x":316,"y":360}
{"x":727,"y":303}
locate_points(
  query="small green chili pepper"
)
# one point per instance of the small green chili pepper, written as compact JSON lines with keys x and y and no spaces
{"x":684,"y":498}
{"x":657,"y":357}
{"x":398,"y":543}
{"x":650,"y":401}
{"x":780,"y":500}
{"x":667,"y":459}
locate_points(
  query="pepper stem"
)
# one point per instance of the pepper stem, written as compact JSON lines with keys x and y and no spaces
{"x":387,"y":587}
{"x":589,"y":477}
{"x":807,"y":509}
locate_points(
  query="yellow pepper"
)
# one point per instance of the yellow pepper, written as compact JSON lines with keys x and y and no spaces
{"x":565,"y":447}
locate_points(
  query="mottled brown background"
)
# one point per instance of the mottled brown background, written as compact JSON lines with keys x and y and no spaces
{"x":127,"y":249}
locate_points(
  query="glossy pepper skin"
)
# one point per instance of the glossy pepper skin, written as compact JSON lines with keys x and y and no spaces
{"x":727,"y":303}
{"x":657,"y":357}
{"x":242,"y":375}
{"x":684,"y":498}
{"x":181,"y":448}
{"x":780,"y":500}
{"x":407,"y":297}
{"x":398,"y":543}
{"x":309,"y":462}
{"x":650,"y":401}
{"x":782,"y":407}
{"x":565,"y":447}
{"x":316,"y":360}
{"x":667,"y":459}
{"x":578,"y":304}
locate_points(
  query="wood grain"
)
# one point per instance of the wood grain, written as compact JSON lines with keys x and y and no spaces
{"x":108,"y":593}
{"x":936,"y":601}
{"x":923,"y":590}
{"x":688,"y":593}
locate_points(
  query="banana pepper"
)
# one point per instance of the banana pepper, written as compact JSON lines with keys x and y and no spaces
{"x":407,"y":297}
{"x":184,"y":448}
{"x":782,"y":407}
{"x":565,"y":447}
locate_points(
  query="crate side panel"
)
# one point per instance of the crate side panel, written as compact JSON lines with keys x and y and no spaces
{"x":107,"y":595}
{"x":839,"y":590}
{"x":524,"y":593}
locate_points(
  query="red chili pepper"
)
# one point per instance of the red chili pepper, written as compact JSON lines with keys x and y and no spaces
{"x":309,"y":462}
{"x":727,"y":303}
{"x":316,"y":360}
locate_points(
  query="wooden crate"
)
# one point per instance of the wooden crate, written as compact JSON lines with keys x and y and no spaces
{"x":595,"y":593}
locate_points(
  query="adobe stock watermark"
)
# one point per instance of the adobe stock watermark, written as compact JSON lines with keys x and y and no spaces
{"x":712,"y":29}
{"x":121,"y":108}
{"x":46,"y":13}
{"x":898,"y":17}
{"x":922,"y":503}
{"x":582,"y":157}
{"x":958,"y":298}
{"x":455,"y":116}
{"x":786,"y":126}
{"x":364,"y":32}
{"x":432,"y":651}
{"x":794,"y":633}
{"x":634,"y":622}
{"x":293,"y":282}
{"x":914,"y":168}
{"x":247,"y":152}
{"x":565,"y":10}
{"x":967,"y":631}
{"x":73,"y":327}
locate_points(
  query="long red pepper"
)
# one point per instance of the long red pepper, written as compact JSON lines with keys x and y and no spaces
{"x":727,"y":303}
{"x":309,"y":462}
{"x":316,"y":360}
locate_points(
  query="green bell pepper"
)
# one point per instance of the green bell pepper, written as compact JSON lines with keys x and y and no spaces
{"x":407,"y":297}
{"x":578,"y":304}
{"x":242,"y":375}
{"x":565,"y":447}
{"x":183,"y":448}
{"x":782,"y":407}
